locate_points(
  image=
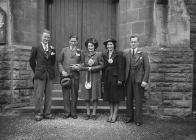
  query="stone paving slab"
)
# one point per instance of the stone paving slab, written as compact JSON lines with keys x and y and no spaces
{"x":15,"y":125}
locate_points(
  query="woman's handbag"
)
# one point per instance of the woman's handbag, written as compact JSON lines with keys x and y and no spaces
{"x":88,"y":83}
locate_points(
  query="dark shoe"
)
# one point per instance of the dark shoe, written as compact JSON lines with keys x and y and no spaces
{"x":49,"y":116}
{"x":93,"y":117}
{"x":87,"y":117}
{"x":38,"y":117}
{"x":66,"y":116}
{"x":129,"y":121}
{"x":109,"y":120}
{"x":74,"y":116}
{"x":138,"y":123}
{"x":194,"y":115}
{"x":113,"y":121}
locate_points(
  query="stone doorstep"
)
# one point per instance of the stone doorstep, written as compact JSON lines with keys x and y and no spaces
{"x":57,"y":106}
{"x":80,"y":109}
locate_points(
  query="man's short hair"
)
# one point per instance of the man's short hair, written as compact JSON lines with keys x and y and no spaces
{"x":134,"y":36}
{"x":73,"y":36}
{"x":46,"y":31}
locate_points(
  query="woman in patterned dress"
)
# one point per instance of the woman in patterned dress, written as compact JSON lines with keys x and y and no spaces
{"x":92,"y":64}
{"x":113,"y":77}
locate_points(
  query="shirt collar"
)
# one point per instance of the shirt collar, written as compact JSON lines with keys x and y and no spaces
{"x":135,"y":50}
{"x":72,"y":48}
{"x":44,"y":46}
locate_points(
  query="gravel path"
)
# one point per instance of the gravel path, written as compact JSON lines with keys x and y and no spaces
{"x":17,"y":126}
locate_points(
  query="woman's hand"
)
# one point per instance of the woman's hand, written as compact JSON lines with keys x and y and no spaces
{"x":119,"y":83}
{"x":89,"y":68}
{"x":75,"y":67}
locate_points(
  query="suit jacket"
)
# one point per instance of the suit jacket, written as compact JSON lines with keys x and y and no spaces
{"x":41,"y":61}
{"x":142,"y":69}
{"x":68,"y":57}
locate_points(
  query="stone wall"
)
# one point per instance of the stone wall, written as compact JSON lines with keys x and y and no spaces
{"x":178,"y":22}
{"x":25,"y":22}
{"x":191,"y":7}
{"x":28,"y":21}
{"x":170,"y":81}
{"x":135,"y":17}
{"x":15,"y":75}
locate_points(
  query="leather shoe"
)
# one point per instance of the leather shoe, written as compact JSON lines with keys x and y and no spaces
{"x":74,"y":116}
{"x":113,"y":120}
{"x":138,"y":123}
{"x":129,"y":121}
{"x":109,"y":120}
{"x":66,"y":116}
{"x":49,"y":116}
{"x":87,"y":117}
{"x":38,"y":117}
{"x":93,"y":117}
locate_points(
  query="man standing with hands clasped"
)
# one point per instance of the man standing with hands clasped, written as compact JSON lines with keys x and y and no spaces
{"x":137,"y":75}
{"x":42,"y":61}
{"x":69,"y":64}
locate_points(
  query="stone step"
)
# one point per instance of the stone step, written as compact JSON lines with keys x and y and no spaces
{"x":58,"y":101}
{"x":80,"y":109}
{"x":57,"y":86}
{"x":57,"y":93}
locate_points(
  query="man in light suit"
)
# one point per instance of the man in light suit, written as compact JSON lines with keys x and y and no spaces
{"x":137,"y":75}
{"x":68,"y":64}
{"x":42,"y":61}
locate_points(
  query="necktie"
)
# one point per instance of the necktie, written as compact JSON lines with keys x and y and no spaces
{"x":133,"y":51}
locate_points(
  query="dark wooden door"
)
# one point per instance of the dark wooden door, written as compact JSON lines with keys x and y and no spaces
{"x":85,"y":18}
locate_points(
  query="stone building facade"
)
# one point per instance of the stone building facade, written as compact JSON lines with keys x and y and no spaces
{"x":164,"y":29}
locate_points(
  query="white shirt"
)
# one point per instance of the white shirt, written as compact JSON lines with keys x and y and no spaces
{"x":135,"y":50}
{"x":45,"y":46}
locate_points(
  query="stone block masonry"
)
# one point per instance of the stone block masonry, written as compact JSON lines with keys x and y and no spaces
{"x":170,"y":81}
{"x":135,"y":18}
{"x":15,"y":75}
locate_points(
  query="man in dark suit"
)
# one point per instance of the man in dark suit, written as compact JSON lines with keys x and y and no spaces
{"x":69,"y":64}
{"x":137,"y":75}
{"x":42,"y":61}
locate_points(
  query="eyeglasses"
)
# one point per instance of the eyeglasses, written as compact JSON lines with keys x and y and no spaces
{"x":133,"y":41}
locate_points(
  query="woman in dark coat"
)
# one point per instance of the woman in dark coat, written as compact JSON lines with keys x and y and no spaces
{"x":113,"y":77}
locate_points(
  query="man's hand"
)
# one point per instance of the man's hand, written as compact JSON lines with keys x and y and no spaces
{"x":144,"y":84}
{"x":75,"y":67}
{"x":64,"y":73}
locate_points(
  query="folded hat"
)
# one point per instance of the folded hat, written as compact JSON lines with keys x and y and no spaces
{"x":65,"y":82}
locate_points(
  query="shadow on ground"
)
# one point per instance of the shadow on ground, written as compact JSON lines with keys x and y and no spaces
{"x":15,"y":125}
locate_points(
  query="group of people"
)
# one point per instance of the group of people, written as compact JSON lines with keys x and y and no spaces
{"x":120,"y":74}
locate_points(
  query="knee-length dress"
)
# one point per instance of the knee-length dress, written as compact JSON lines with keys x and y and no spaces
{"x":95,"y":92}
{"x":112,"y":73}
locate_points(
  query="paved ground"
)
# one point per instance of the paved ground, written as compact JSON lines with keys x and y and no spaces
{"x":21,"y":126}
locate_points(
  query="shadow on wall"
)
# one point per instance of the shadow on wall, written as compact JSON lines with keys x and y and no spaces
{"x":171,"y":22}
